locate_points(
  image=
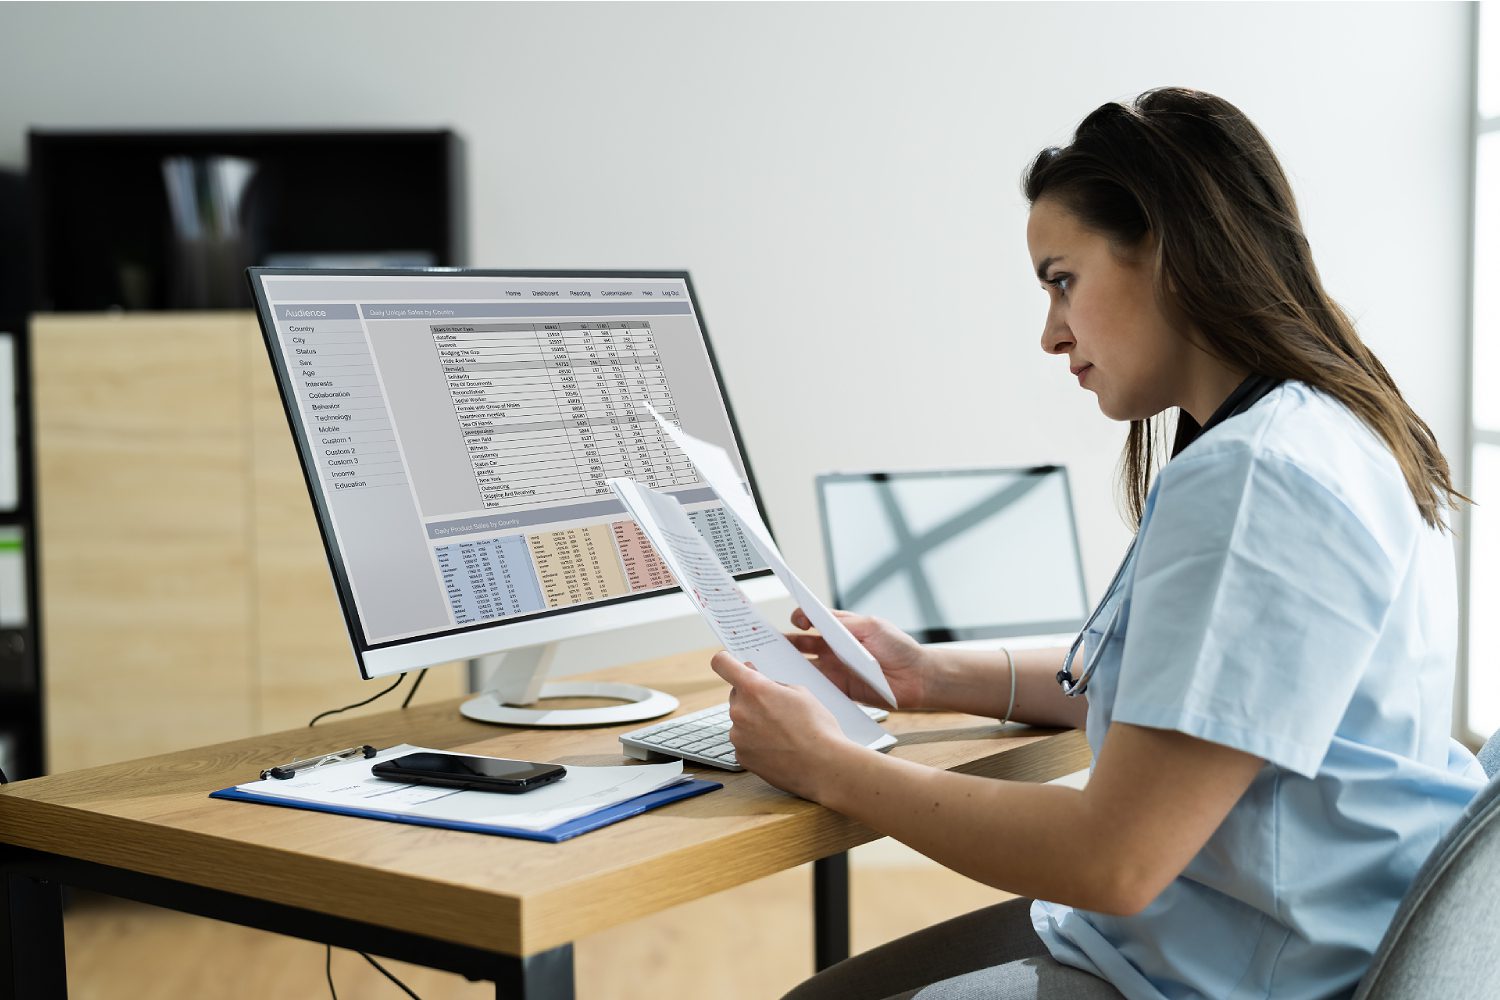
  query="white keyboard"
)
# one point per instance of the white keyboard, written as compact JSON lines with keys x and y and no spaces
{"x":701,"y":737}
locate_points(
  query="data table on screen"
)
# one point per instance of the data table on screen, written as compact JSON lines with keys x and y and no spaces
{"x":491,"y":578}
{"x":551,"y":411}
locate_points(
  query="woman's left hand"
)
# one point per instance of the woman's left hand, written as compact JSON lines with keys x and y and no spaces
{"x":780,"y":733}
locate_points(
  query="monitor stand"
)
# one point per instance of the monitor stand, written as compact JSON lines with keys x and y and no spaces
{"x":517,"y":680}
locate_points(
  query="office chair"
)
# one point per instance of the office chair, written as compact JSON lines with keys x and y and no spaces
{"x":1444,"y":941}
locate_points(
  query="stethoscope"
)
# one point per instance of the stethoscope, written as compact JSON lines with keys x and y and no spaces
{"x":1251,"y":391}
{"x":1073,"y":688}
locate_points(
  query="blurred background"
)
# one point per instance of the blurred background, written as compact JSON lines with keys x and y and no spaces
{"x":842,"y":180}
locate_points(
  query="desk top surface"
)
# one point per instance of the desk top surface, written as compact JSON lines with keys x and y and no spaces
{"x":498,"y":893}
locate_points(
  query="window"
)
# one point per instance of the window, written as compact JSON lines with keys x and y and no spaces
{"x":1482,"y":696}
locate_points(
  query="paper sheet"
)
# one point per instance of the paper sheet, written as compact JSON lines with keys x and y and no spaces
{"x":714,"y":465}
{"x":10,"y":441}
{"x":12,"y":578}
{"x":740,"y":626}
{"x":581,"y":791}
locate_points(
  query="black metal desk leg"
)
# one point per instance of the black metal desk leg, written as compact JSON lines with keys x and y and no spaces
{"x":547,"y":975}
{"x":33,"y":965}
{"x":830,"y":911}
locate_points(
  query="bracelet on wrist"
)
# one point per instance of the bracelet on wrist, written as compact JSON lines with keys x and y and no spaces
{"x":1010,"y":706}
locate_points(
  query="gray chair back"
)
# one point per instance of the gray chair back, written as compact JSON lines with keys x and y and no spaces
{"x":1444,"y":941}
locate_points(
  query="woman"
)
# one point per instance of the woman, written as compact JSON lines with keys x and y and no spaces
{"x":1266,"y":686}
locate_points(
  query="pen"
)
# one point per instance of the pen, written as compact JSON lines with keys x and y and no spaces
{"x":287,"y":770}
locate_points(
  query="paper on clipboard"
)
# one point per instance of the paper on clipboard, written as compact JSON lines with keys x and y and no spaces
{"x":737,"y":622}
{"x":714,"y":465}
{"x":352,"y":786}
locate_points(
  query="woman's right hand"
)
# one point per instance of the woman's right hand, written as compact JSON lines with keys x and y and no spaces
{"x":906,"y":663}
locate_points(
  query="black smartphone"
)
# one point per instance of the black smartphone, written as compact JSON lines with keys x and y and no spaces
{"x":483,"y":774}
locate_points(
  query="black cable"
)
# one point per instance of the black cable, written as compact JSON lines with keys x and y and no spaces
{"x":357,"y":704}
{"x":328,"y":963}
{"x":382,"y":970}
{"x":414,"y":685}
{"x":378,"y":967}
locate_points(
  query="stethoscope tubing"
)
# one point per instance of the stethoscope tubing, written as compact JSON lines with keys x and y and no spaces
{"x":1251,"y":391}
{"x":1073,"y":688}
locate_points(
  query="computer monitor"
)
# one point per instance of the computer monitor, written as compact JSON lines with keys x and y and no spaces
{"x":457,"y":428}
{"x":957,"y":555}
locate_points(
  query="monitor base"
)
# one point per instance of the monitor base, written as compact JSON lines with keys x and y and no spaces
{"x":641,"y":703}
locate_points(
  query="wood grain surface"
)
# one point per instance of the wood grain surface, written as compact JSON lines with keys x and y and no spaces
{"x":512,"y":896}
{"x":141,"y":448}
{"x":186,"y":596}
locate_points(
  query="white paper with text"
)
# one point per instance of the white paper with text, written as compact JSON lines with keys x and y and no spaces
{"x":581,"y":791}
{"x":740,"y":626}
{"x":714,"y":465}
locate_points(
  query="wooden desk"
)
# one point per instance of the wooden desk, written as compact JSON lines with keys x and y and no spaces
{"x":491,"y":908}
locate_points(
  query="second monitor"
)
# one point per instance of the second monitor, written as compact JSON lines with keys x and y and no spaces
{"x":962,"y":555}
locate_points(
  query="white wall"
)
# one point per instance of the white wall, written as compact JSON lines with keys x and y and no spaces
{"x":862,"y":161}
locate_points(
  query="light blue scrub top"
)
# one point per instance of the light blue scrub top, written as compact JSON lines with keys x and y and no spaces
{"x":1286,"y":599}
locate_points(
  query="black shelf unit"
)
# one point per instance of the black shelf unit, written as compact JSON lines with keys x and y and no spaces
{"x":89,"y":227}
{"x":107,"y":234}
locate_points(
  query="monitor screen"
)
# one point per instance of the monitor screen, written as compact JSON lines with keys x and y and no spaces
{"x":956,"y":555}
{"x":457,"y":429}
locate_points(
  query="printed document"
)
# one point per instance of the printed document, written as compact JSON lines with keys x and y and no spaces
{"x":581,"y":791}
{"x":10,"y":440}
{"x":714,"y":465}
{"x":740,"y":626}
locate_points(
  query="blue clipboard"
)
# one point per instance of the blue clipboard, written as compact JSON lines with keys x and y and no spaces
{"x":551,"y":835}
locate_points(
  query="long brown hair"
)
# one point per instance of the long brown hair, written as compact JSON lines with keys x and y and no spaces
{"x":1190,"y":171}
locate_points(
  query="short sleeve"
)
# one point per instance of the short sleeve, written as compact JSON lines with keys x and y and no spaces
{"x":1257,"y":600}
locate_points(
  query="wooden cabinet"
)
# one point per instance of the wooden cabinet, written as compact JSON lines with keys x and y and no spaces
{"x":186,"y":598}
